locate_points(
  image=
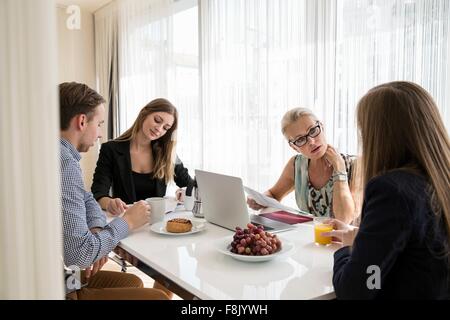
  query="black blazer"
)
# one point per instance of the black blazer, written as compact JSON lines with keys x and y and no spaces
{"x":400,"y":234}
{"x":114,"y":170}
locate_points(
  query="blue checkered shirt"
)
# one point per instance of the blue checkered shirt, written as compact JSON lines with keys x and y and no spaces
{"x":81,"y":213}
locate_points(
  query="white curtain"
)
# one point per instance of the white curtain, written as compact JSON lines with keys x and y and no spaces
{"x":261,"y":58}
{"x":30,"y":218}
{"x":255,"y":59}
{"x":386,"y":40}
{"x":106,"y":63}
{"x":145,"y":53}
{"x":158,"y":54}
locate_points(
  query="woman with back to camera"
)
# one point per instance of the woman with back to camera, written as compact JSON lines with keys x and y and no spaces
{"x":321,"y":177}
{"x":402,"y":243}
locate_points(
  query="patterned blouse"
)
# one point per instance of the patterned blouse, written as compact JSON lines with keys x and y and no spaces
{"x":318,"y":202}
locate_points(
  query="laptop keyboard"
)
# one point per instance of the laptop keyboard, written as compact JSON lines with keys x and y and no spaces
{"x":268,"y":224}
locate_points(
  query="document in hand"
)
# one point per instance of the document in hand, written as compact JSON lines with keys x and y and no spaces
{"x":264,"y":200}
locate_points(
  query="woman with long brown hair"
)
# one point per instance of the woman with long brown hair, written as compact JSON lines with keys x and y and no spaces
{"x":401,"y":249}
{"x":141,"y":162}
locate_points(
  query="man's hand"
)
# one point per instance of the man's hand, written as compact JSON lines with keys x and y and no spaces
{"x":116,"y":206}
{"x":137,"y":215}
{"x":92,"y":270}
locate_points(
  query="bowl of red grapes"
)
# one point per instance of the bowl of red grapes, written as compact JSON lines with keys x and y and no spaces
{"x":254,"y":241}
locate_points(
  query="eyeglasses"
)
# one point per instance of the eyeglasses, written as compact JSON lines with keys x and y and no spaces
{"x":312,"y":133}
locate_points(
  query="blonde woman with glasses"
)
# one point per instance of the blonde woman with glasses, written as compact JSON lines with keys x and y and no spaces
{"x":320,"y":176}
{"x":401,"y":249}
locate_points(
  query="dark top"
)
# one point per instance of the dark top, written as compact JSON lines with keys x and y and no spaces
{"x":114,"y":170}
{"x":144,"y":185}
{"x":401,"y":235}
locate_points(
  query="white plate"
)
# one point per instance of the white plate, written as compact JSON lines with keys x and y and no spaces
{"x":223,"y":246}
{"x":160,"y":227}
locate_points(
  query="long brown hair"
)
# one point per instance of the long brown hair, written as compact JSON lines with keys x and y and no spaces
{"x":163,"y":149}
{"x":401,"y":128}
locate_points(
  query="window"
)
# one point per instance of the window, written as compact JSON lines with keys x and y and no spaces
{"x":233,"y":68}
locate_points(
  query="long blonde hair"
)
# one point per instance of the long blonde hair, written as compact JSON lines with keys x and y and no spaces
{"x":401,"y":128}
{"x":163,"y":148}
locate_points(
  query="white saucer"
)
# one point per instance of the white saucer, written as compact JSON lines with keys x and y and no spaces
{"x":160,"y":227}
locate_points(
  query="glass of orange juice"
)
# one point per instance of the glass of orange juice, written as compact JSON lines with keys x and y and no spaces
{"x":321,"y":225}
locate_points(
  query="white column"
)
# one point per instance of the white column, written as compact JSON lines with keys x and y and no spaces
{"x":30,"y":219}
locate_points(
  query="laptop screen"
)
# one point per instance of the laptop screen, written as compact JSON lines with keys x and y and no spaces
{"x":224,"y":202}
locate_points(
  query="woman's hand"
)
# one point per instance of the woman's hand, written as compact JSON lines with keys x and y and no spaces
{"x":342,"y":232}
{"x":116,"y":206}
{"x":180,"y":194}
{"x":335,"y":159}
{"x":254,"y":205}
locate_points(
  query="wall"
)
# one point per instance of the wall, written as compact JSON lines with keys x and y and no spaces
{"x":76,"y":59}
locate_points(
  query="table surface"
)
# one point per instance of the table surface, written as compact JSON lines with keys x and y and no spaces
{"x":195,"y":264}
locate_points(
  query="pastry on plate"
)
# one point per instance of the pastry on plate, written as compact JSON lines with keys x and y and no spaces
{"x":179,"y":225}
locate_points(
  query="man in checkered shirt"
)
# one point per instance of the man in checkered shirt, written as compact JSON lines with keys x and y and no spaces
{"x":88,"y":239}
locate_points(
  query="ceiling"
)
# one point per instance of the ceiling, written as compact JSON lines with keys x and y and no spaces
{"x":89,"y":5}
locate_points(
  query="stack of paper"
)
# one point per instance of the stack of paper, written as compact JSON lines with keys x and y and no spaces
{"x":266,"y":201}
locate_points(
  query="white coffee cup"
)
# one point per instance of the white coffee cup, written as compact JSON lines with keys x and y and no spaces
{"x":157,"y":209}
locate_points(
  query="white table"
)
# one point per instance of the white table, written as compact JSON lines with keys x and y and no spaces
{"x":193,"y":263}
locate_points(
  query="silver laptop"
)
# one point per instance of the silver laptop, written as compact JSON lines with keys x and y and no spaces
{"x":224,"y":203}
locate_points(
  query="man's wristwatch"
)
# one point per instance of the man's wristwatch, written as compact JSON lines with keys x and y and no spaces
{"x":340,"y":176}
